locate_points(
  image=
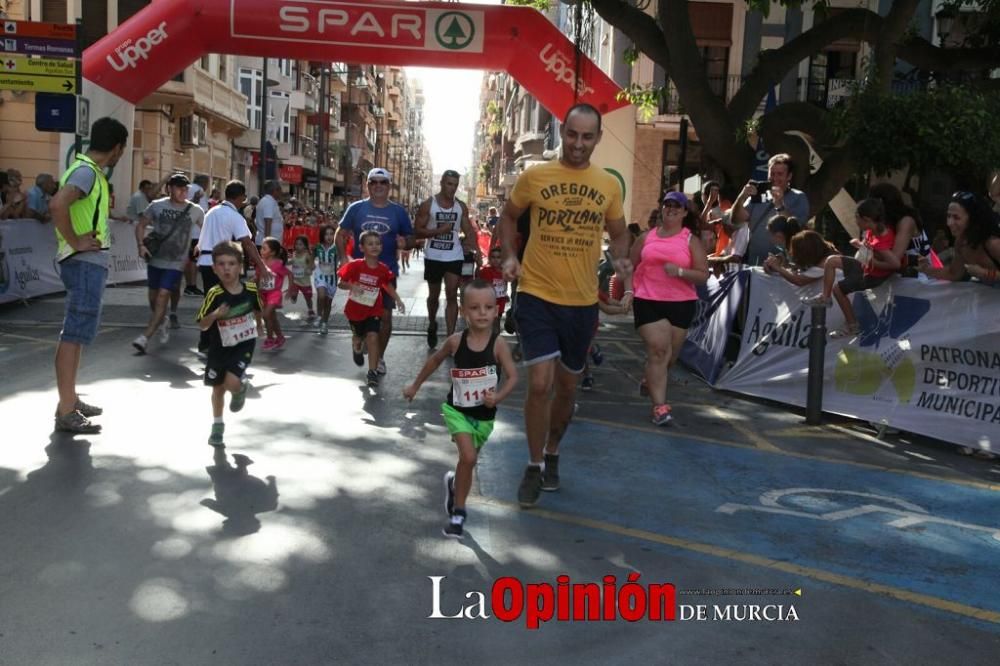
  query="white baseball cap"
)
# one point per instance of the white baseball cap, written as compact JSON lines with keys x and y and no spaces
{"x":379,"y":172}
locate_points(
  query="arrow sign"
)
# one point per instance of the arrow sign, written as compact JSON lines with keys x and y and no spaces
{"x":37,"y":83}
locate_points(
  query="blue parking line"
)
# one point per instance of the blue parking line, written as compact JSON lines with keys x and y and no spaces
{"x":931,"y":537}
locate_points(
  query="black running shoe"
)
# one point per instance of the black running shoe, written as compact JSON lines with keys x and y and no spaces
{"x":455,"y":527}
{"x":372,"y":379}
{"x":587,"y":384}
{"x":449,"y":492}
{"x":192,"y":290}
{"x":550,"y":477}
{"x":432,"y":336}
{"x":531,"y":487}
{"x":359,"y":358}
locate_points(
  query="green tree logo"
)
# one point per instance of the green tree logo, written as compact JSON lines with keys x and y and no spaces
{"x":454,"y":30}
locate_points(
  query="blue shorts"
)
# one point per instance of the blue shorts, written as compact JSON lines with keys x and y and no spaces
{"x":163,"y":278}
{"x":548,"y":331}
{"x":84,"y":284}
{"x":387,"y":303}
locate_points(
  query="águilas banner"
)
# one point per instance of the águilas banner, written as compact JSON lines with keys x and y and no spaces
{"x":926,"y":361}
{"x":166,"y":36}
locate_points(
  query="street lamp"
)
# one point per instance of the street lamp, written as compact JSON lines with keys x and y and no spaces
{"x":945,"y":21}
{"x":265,"y":83}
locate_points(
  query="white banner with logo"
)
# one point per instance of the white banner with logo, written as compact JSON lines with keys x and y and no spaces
{"x":27,"y":258}
{"x":927,"y":359}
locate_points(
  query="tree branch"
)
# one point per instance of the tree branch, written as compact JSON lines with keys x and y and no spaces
{"x":887,"y":42}
{"x":638,"y":26}
{"x":774,"y":64}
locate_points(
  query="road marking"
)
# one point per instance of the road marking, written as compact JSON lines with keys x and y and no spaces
{"x":759,"y":441}
{"x":981,"y":485}
{"x":819,"y":432}
{"x":29,"y":338}
{"x":908,"y":514}
{"x":897,"y":593}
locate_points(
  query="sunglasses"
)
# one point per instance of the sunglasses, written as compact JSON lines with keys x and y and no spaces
{"x":963,"y":196}
{"x":378,"y":182}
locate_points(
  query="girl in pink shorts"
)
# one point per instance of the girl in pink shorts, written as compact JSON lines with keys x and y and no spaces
{"x":275,"y":257}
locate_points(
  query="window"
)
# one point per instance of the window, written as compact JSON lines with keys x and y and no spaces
{"x":126,"y":9}
{"x":252,"y":85}
{"x":95,"y":22}
{"x":285,"y":67}
{"x":278,"y":104}
{"x":54,"y":11}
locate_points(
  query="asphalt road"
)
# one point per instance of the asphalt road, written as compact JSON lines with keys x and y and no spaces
{"x":139,"y":546}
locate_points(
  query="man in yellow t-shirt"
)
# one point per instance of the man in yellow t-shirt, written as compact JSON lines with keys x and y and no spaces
{"x":572,"y":203}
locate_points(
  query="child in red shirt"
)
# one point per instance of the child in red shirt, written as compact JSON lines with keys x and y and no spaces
{"x":874,"y":264}
{"x":367,"y":278}
{"x":493,"y":273}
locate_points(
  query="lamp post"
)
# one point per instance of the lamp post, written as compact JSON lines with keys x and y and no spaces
{"x":262,"y":165}
{"x":945,"y":21}
{"x":321,"y":150}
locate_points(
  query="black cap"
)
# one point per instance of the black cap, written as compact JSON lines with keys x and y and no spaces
{"x":179,"y":180}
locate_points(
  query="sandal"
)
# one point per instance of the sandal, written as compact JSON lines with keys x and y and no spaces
{"x":77,"y":423}
{"x":819,"y":299}
{"x":846,"y":332}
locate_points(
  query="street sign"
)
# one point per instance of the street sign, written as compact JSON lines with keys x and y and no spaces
{"x":52,"y":84}
{"x":55,"y":113}
{"x":38,"y":66}
{"x":82,"y":116}
{"x":38,"y":46}
{"x":65,"y":31}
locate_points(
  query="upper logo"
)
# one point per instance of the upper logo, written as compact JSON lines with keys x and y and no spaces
{"x":454,"y":30}
{"x":129,"y":54}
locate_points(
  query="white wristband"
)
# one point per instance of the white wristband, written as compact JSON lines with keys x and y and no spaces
{"x":680,"y":272}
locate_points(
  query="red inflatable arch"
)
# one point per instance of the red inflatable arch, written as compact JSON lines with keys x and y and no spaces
{"x":168,"y":35}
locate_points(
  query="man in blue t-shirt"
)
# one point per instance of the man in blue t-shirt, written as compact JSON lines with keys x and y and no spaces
{"x":392,"y":222}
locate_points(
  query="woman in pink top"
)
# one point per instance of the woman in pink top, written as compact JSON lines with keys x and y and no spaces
{"x":669,"y":261}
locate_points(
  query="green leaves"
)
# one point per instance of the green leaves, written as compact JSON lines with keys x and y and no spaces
{"x":947,"y":127}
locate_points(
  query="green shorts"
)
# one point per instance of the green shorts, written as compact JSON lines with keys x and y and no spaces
{"x":458,"y":422}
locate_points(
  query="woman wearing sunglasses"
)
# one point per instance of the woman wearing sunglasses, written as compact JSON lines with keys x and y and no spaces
{"x":977,"y":242}
{"x":669,"y":261}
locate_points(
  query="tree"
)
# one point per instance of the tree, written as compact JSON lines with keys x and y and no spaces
{"x":668,"y":40}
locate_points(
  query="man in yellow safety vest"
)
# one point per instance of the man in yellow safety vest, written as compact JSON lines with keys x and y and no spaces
{"x":80,"y":213}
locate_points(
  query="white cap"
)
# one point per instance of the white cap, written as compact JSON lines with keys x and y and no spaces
{"x":379,"y":172}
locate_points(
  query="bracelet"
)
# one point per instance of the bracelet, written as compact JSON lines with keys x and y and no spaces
{"x":627,"y":292}
{"x":680,"y":272}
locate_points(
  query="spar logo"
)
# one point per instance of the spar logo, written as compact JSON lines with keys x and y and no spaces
{"x":128,"y":55}
{"x":562,"y":68}
{"x":454,"y":30}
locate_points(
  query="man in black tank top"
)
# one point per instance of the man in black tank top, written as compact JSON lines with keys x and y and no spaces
{"x":439,"y":221}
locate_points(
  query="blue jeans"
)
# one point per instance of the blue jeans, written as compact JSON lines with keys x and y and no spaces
{"x":84,"y":284}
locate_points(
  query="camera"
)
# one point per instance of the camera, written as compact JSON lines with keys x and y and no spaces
{"x":762,"y":187}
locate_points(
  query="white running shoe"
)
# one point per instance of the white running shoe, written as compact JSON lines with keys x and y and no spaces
{"x":164,"y":334}
{"x":140,"y":344}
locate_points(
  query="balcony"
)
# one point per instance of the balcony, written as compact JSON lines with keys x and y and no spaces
{"x":205,"y":95}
